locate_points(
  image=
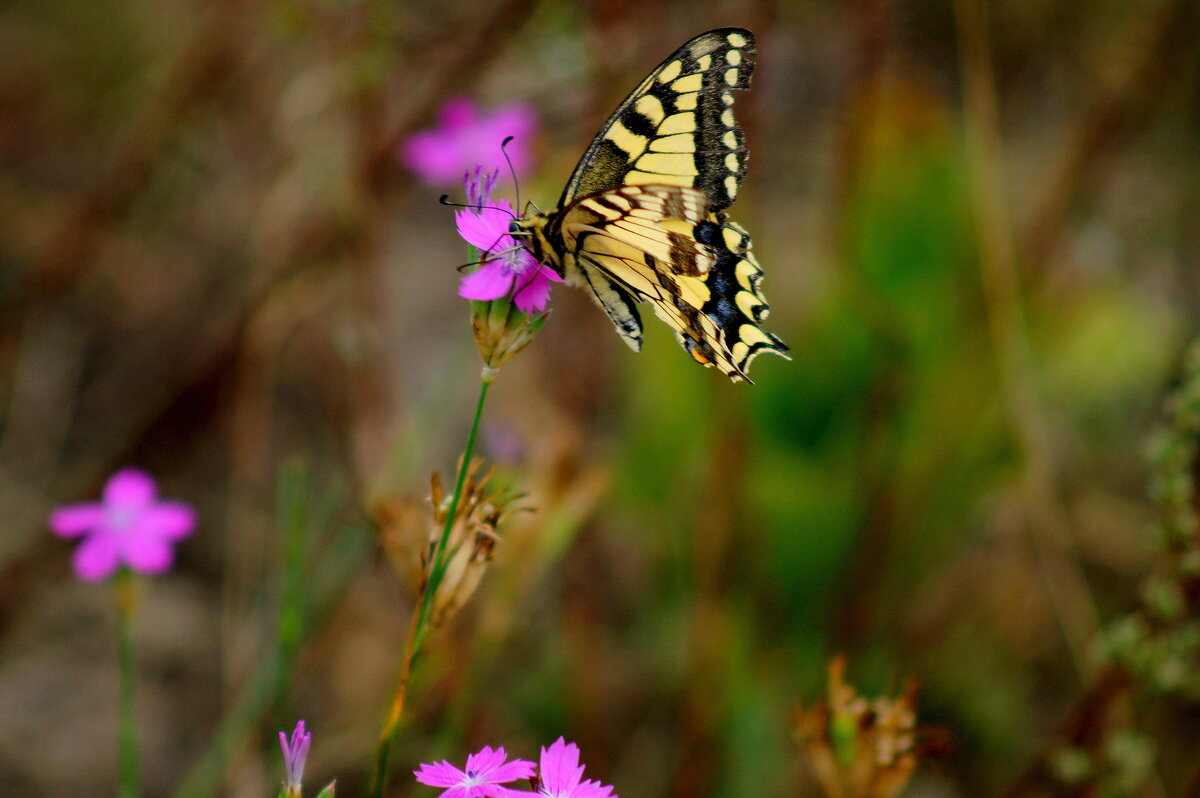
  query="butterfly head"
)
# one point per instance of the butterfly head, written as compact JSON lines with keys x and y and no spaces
{"x":532,"y":231}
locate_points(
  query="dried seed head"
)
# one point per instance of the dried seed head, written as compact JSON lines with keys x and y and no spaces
{"x":411,"y":531}
{"x":857,"y":746}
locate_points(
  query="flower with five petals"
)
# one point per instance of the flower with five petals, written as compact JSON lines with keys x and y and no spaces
{"x":485,"y":773}
{"x":128,"y":525}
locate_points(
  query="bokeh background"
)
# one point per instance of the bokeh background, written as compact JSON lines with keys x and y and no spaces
{"x":979,"y":226}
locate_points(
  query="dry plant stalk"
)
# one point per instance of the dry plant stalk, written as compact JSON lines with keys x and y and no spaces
{"x":858,"y":747}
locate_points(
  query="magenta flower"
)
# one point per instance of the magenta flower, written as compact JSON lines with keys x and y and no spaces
{"x":560,"y":772}
{"x":466,"y":136}
{"x":485,"y":772}
{"x":128,"y":525}
{"x":295,"y":752}
{"x":512,"y":270}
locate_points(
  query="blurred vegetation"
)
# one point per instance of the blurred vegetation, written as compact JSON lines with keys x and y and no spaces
{"x":979,"y":228}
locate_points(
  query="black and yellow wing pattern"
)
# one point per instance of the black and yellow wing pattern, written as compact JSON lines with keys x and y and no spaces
{"x":642,"y":218}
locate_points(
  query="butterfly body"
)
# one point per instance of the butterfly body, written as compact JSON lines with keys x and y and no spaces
{"x":642,"y":218}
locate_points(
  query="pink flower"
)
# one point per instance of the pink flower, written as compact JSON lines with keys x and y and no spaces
{"x":560,"y":772}
{"x":466,"y":136}
{"x":295,"y":752}
{"x":485,"y":772}
{"x":128,"y":525}
{"x":512,"y":270}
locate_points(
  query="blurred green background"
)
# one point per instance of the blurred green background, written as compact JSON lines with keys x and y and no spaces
{"x":978,"y":223}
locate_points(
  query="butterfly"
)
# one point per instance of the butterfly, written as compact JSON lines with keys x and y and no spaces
{"x":642,"y":218}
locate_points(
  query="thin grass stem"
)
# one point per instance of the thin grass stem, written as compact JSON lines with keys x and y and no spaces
{"x":127,"y":742}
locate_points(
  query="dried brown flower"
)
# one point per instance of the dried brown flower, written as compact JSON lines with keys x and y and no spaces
{"x":411,"y":531}
{"x":859,"y":747}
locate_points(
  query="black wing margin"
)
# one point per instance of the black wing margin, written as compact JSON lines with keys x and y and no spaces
{"x":736,"y":304}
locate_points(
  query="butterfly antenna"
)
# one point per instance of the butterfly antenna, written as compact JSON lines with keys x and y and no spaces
{"x":479,"y":262}
{"x":491,"y":253}
{"x":511,"y":169}
{"x":445,"y":200}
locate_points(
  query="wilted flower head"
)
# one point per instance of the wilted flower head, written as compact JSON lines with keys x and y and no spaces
{"x":858,"y":746}
{"x":485,"y":772}
{"x":410,"y":529}
{"x":295,"y":752}
{"x":466,"y":136}
{"x":128,"y":525}
{"x":559,"y":774}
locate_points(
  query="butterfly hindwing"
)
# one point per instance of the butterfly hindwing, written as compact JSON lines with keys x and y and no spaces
{"x":658,"y":244}
{"x":737,"y":305}
{"x":677,"y":127}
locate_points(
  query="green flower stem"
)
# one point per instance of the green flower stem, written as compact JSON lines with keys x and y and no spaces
{"x":419,"y":628}
{"x":438,"y":568}
{"x":127,"y":743}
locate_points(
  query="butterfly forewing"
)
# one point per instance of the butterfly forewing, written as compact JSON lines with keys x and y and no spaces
{"x":676,"y":128}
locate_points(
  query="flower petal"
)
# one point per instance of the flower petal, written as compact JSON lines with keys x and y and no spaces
{"x":439,"y":774}
{"x":485,"y":759}
{"x":534,"y":291}
{"x":129,"y":487}
{"x":145,"y":554}
{"x":492,"y":280}
{"x":510,"y":771}
{"x":431,"y":156}
{"x":497,"y":791}
{"x":486,"y":228}
{"x":168,"y":520}
{"x":504,"y":207}
{"x":73,"y":520}
{"x":96,"y":557}
{"x":560,"y":771}
{"x":458,"y":114}
{"x":516,"y":120}
{"x":593,"y":789}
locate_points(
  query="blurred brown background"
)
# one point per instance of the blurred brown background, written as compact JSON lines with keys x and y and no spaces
{"x":979,"y":228}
